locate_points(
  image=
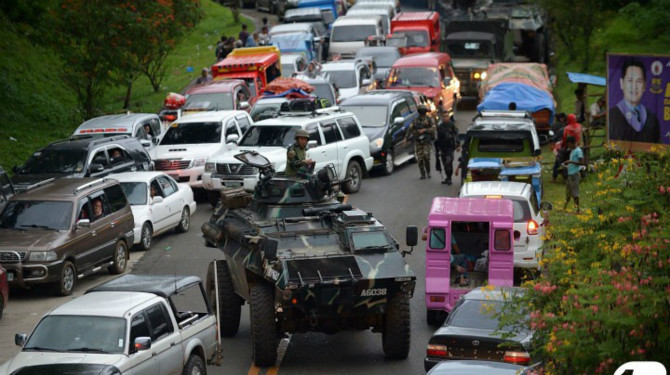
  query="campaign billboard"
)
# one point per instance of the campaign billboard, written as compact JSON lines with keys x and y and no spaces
{"x":638,"y":99}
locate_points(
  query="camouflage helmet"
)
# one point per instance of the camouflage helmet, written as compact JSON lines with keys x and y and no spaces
{"x":423,"y":108}
{"x":301,"y":133}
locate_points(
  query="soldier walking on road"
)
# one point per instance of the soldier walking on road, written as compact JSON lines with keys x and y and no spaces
{"x":296,"y":156}
{"x":423,"y":129}
{"x":445,"y":145}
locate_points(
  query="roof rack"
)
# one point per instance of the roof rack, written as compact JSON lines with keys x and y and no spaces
{"x":41,"y":183}
{"x":89,"y":184}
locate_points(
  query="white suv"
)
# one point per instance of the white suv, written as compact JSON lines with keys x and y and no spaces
{"x":336,"y":138}
{"x":529,"y":217}
{"x":189,"y":141}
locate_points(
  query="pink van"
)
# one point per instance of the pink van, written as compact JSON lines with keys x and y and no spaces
{"x":483,"y":230}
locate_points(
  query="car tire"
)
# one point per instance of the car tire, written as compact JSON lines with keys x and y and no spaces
{"x":230,"y":304}
{"x":120,"y":258}
{"x":194,"y":366}
{"x":396,"y":334}
{"x":389,"y":167}
{"x":264,"y":339}
{"x":355,"y":172}
{"x":146,"y":236}
{"x":67,"y":279}
{"x":213,"y":197}
{"x":185,"y":221}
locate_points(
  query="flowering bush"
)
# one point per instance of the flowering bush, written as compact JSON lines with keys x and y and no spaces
{"x":603,"y":298}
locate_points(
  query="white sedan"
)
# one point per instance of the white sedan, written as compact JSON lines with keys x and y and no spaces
{"x":158,"y":203}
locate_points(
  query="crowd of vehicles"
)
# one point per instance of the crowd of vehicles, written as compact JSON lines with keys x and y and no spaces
{"x":302,"y":259}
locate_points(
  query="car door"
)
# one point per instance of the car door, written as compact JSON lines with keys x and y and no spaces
{"x":160,"y":211}
{"x":103,"y":235}
{"x":98,"y":163}
{"x":142,"y":362}
{"x":399,"y":131}
{"x":171,"y":199}
{"x":165,"y":340}
{"x":330,"y":149}
{"x":317,"y":153}
{"x":84,"y":237}
{"x":244,"y":122}
{"x":120,"y":159}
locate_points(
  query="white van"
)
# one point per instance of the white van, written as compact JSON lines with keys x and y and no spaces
{"x":349,"y":34}
{"x":385,"y":10}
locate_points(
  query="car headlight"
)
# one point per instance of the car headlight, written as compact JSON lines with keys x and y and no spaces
{"x":42,"y":256}
{"x":210,"y":167}
{"x":376,"y":144}
{"x":199,"y":162}
{"x":484,"y":75}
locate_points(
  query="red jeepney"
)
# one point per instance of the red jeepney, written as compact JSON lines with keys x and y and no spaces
{"x":257,"y":66}
{"x":419,"y":30}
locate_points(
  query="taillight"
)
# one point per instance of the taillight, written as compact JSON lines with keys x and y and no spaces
{"x":520,"y":358}
{"x":436,"y":351}
{"x":532,"y":227}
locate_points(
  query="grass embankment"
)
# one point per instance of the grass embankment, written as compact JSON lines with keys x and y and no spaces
{"x":39,"y":108}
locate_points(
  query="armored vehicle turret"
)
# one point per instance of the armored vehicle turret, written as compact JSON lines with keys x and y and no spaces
{"x":306,"y":262}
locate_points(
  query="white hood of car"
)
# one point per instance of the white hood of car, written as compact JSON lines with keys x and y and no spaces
{"x":185,"y":151}
{"x":43,"y":358}
{"x":276,"y":155}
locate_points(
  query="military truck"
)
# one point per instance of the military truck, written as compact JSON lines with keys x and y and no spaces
{"x":306,"y":263}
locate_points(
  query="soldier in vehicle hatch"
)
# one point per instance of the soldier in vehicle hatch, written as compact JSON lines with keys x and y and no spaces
{"x":423,"y":129}
{"x":296,"y":156}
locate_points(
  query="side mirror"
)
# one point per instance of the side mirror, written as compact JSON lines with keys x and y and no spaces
{"x":83,"y":223}
{"x":145,"y":142}
{"x":311,"y":144}
{"x":142,"y":343}
{"x":157,"y":199}
{"x":93,"y":168}
{"x":412,"y":235}
{"x":232,"y":138}
{"x":20,"y":339}
{"x":399,"y":121}
{"x":366,"y":82}
{"x":155,"y":140}
{"x":16,"y":169}
{"x":244,"y":105}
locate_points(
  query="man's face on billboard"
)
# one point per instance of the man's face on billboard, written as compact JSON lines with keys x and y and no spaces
{"x":632,"y":85}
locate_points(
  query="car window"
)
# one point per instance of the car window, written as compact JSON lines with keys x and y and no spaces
{"x":412,"y":105}
{"x":156,"y":126}
{"x":437,"y":238}
{"x":349,"y":127}
{"x":397,"y":111}
{"x":404,"y":109}
{"x":155,"y":189}
{"x":313,"y":130}
{"x":118,"y":155}
{"x":330,"y":131}
{"x":231,"y":128}
{"x":117,"y":200}
{"x":99,"y":207}
{"x":534,"y":206}
{"x":138,"y":328}
{"x":5,"y":185}
{"x":243,"y":122}
{"x":136,"y":192}
{"x":476,"y":314}
{"x":22,"y":214}
{"x":167,"y":186}
{"x":140,"y":133}
{"x":159,"y":322}
{"x":100,"y":158}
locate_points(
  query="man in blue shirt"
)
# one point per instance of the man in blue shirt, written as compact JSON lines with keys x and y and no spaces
{"x":573,"y":164}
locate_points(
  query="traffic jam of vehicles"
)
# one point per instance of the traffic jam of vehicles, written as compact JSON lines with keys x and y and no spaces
{"x":275,"y":141}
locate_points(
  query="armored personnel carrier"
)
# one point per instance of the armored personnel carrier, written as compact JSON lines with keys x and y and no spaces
{"x":306,"y":262}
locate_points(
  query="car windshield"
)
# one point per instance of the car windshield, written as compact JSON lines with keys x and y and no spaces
{"x":269,"y":136}
{"x":383,"y":59}
{"x":78,"y":334}
{"x":55,"y":161}
{"x":478,"y":314}
{"x":209,"y":101}
{"x":262,"y":111}
{"x":374,"y":116}
{"x":427,"y":77}
{"x":24,"y":214}
{"x":192,"y":133}
{"x":417,"y":38}
{"x":344,"y":79}
{"x":469,"y":49}
{"x":324,"y":91}
{"x":352,"y":33}
{"x":136,"y":192}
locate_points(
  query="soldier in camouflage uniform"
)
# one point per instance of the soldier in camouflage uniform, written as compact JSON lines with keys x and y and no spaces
{"x":445,"y":145}
{"x":296,"y":156}
{"x":423,"y":129}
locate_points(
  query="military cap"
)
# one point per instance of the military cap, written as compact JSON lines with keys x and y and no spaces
{"x":301,"y":133}
{"x":423,"y":108}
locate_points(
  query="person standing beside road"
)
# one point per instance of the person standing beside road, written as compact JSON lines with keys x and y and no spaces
{"x":630,"y":120}
{"x":253,"y":40}
{"x":243,"y":35}
{"x":220,"y":46}
{"x":264,"y":36}
{"x":572,"y":130}
{"x":445,"y":145}
{"x":296,"y":156}
{"x":204,"y":77}
{"x":423,"y":129}
{"x":598,"y":112}
{"x":574,"y":163}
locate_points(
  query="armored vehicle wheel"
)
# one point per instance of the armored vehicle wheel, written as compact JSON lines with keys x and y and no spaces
{"x":264,"y":339}
{"x":120,"y":258}
{"x":194,"y":366}
{"x":389,"y":166}
{"x":230,"y":304}
{"x":66,"y":280}
{"x":185,"y":221}
{"x":396,"y":334}
{"x":213,"y":197}
{"x":145,"y":239}
{"x":355,"y":172}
